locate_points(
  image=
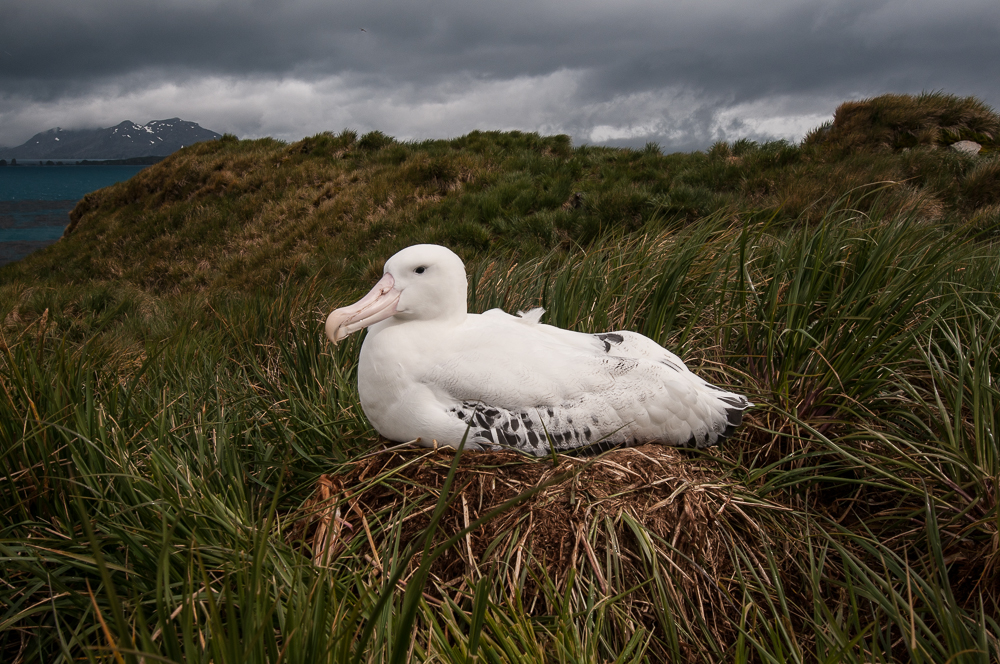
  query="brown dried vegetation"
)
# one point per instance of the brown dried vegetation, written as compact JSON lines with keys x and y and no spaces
{"x":580,"y":520}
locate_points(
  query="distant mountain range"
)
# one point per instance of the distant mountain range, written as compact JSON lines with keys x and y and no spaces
{"x":124,"y":141}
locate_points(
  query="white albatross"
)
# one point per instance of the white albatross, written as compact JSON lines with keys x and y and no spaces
{"x":431,"y":371}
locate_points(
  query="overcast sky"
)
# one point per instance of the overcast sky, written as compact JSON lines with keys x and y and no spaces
{"x":622,"y":72}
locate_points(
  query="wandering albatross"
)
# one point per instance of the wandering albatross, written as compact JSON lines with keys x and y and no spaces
{"x":430,"y":371}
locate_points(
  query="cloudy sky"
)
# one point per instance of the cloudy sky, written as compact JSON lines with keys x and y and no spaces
{"x":683,"y":73}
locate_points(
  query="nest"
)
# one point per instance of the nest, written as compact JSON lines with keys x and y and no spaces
{"x":608,"y":519}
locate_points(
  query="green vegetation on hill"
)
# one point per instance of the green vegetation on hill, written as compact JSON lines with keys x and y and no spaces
{"x":899,"y":122}
{"x":232,"y":214}
{"x":172,"y":419}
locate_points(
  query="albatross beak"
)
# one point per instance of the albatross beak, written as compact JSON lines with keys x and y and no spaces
{"x":379,"y":304}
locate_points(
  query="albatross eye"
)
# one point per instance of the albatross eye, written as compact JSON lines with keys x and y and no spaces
{"x":420,"y":270}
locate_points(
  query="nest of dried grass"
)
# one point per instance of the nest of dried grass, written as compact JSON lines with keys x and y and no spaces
{"x":608,"y":521}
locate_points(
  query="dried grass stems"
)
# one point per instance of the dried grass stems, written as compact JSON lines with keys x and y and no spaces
{"x":604,"y":520}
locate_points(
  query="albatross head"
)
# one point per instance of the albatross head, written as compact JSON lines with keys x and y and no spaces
{"x":422,"y":282}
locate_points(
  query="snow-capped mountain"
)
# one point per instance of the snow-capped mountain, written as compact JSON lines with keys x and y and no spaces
{"x":126,"y":140}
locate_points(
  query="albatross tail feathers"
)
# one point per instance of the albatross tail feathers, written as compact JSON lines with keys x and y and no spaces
{"x":735,"y":405}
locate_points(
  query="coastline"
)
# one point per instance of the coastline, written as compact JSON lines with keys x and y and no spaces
{"x":29,"y":225}
{"x":35,"y":201}
{"x":35,"y":163}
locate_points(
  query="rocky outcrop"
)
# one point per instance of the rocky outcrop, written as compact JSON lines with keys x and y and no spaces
{"x":967,"y":147}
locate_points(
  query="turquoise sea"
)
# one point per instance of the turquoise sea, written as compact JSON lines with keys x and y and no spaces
{"x":35,"y":202}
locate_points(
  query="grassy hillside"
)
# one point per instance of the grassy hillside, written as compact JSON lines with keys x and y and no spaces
{"x":186,"y":473}
{"x":232,"y":214}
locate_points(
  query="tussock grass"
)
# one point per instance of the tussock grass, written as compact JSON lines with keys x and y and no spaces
{"x":896,"y":121}
{"x":854,"y":519}
{"x":186,"y":473}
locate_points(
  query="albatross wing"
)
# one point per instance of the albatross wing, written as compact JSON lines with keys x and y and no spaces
{"x":513,"y":382}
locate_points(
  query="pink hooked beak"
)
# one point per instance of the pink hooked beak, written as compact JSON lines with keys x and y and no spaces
{"x":379,"y":304}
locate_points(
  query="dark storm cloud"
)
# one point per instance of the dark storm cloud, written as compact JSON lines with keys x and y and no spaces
{"x":807,"y":49}
{"x":621,"y":72}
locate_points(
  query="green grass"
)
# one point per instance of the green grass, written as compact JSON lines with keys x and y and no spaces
{"x":174,"y":448}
